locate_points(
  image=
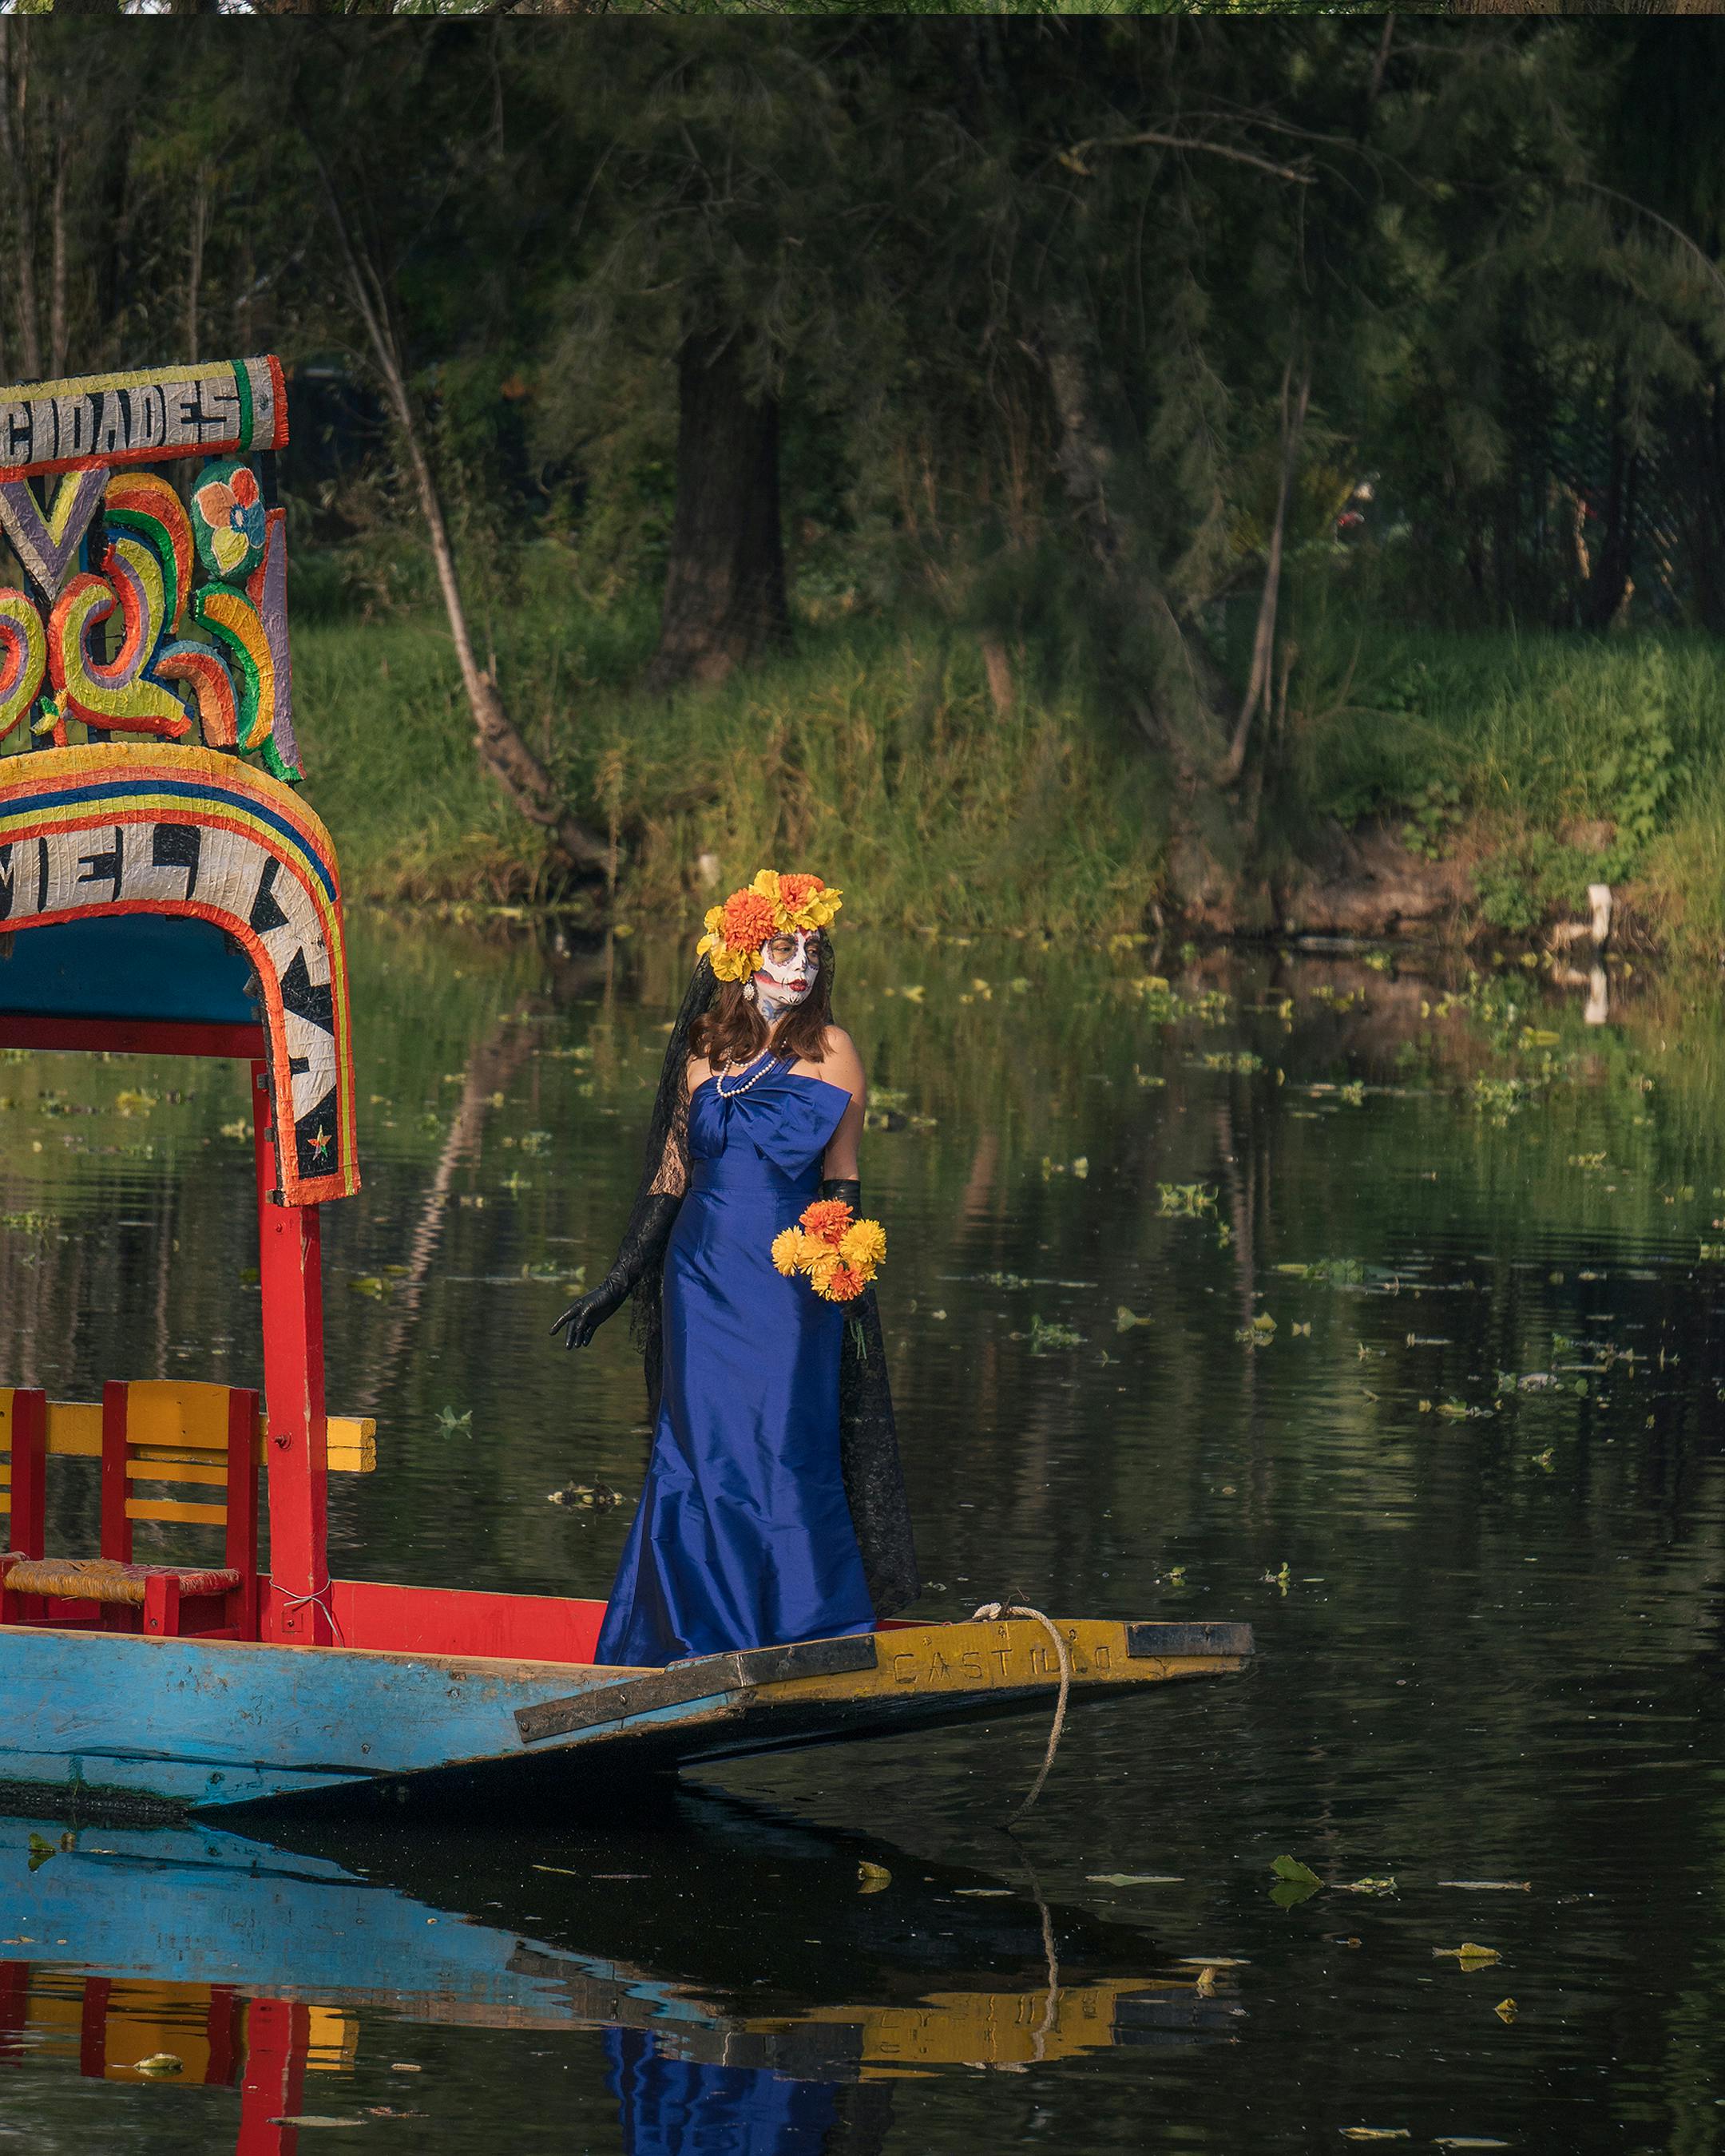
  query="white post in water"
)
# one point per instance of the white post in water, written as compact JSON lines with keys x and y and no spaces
{"x":1598,"y":897}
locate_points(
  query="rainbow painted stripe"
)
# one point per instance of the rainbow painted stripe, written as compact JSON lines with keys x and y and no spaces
{"x":244,"y":853}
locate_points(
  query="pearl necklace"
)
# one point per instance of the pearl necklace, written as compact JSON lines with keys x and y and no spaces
{"x":767,"y":1058}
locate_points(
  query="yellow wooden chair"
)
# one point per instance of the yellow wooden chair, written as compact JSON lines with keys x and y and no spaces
{"x":165,"y":1432}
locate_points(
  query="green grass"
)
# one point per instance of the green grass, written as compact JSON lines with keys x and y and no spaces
{"x":873,"y":751}
{"x":1548,"y":762}
{"x":878,"y":757}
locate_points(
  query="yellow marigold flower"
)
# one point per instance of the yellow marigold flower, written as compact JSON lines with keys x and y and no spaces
{"x":863,"y":1245}
{"x":824,"y":1266}
{"x":766,"y":884}
{"x":714,"y":920}
{"x":788,"y":1250}
{"x":733,"y":965}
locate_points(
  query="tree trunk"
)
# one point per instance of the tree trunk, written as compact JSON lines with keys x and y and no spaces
{"x":724,"y":588}
{"x":113,"y":249}
{"x":511,"y":763}
{"x":1259,"y":685}
{"x":997,"y":665}
{"x":14,"y":119}
{"x":1609,"y":583}
{"x":57,"y":334}
{"x":195,"y":238}
{"x":1171,"y":689}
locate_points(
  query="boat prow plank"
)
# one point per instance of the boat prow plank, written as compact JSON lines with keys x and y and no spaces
{"x":111,"y":1724}
{"x":165,"y":898}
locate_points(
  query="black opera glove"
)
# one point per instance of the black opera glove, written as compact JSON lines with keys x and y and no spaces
{"x":643,"y":1248}
{"x":848,"y":1188}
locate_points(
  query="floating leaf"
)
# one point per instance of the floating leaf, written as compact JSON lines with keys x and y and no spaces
{"x":161,"y":2062}
{"x":1206,"y":1984}
{"x":1505,"y":2009}
{"x":1468,"y":1955}
{"x":585,"y":1496}
{"x":1369,"y":1887}
{"x":1124,"y":1319}
{"x":1290,"y":1868}
{"x":1489,"y":1885}
{"x":1376,"y":2133}
{"x":40,"y":1851}
{"x":1135,"y":1878}
{"x":872,"y":1878}
{"x":1189,"y":1199}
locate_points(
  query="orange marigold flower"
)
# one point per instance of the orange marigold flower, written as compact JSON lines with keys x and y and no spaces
{"x":793,"y":890}
{"x":827,"y":1218}
{"x":748,"y":921}
{"x":843,"y":1283}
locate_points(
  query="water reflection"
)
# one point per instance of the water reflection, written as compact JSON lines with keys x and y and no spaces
{"x":760,"y":1986}
{"x":1468,"y":1487}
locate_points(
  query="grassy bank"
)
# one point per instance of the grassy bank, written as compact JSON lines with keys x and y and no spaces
{"x":1540,"y":763}
{"x":879,"y":756}
{"x":1535,"y":764}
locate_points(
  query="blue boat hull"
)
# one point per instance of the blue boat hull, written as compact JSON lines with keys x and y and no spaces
{"x":116,"y":1722}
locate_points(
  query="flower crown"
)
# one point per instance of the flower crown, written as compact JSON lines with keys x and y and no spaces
{"x":772,"y":905}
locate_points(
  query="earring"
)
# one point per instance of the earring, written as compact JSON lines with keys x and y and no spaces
{"x":748,"y":992}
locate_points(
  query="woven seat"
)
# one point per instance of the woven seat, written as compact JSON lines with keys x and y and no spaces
{"x":101,"y":1579}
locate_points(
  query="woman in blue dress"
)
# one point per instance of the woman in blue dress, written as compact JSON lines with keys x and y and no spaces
{"x":773,"y":1509}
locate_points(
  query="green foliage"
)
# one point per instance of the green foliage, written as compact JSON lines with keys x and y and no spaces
{"x":879,"y":756}
{"x":1432,"y":814}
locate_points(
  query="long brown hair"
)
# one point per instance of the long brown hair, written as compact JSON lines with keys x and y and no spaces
{"x":733,"y":1030}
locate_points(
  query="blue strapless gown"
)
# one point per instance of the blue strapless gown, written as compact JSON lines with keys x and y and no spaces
{"x":743,"y":1537}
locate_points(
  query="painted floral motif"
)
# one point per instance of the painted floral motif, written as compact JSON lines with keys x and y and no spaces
{"x":228,"y":516}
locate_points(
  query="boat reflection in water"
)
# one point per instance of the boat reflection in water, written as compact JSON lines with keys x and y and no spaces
{"x":755,"y":1996}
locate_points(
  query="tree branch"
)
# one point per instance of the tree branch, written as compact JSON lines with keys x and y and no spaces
{"x":1154,"y":138}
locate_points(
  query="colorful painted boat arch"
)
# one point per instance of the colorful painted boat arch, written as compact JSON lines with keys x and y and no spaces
{"x":103,"y":835}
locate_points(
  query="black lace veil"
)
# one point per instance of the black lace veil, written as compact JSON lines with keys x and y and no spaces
{"x":874,"y":1478}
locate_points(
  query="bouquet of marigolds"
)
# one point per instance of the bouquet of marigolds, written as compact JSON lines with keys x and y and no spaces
{"x":839,"y":1254}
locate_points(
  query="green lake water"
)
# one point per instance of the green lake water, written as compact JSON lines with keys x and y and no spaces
{"x":1378,"y":1308}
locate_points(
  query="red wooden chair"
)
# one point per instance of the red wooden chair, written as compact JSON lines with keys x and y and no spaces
{"x":23,"y":1449}
{"x":156,"y":1432}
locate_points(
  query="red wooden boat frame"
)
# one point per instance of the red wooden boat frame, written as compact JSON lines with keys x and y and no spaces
{"x":301,"y":1606}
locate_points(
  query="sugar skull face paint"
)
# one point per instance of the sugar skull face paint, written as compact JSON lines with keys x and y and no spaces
{"x":790,"y":965}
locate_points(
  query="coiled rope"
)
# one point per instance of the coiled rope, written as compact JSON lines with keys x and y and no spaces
{"x":991,"y":1613}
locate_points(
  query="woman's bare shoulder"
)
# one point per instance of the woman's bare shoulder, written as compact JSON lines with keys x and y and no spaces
{"x":699,"y":1069}
{"x":841,"y":1065}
